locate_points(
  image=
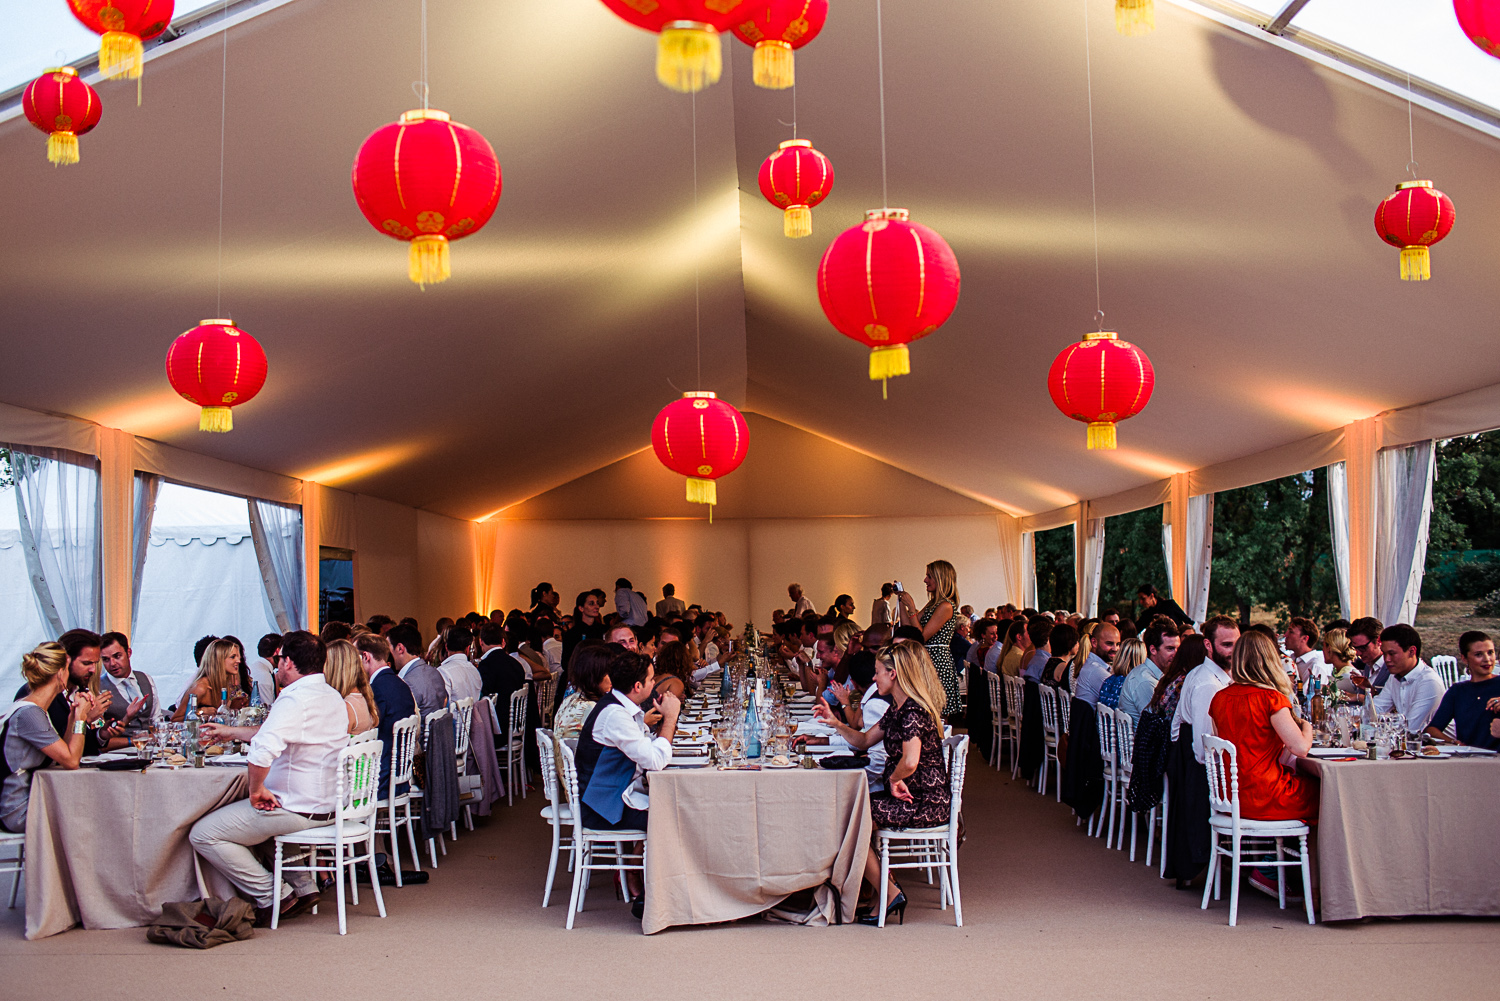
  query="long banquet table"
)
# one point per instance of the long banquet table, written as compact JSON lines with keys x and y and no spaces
{"x":1408,"y":837}
{"x":728,"y":844}
{"x":108,"y":849}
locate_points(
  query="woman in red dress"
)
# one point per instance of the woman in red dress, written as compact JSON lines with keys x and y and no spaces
{"x":1255,"y":715}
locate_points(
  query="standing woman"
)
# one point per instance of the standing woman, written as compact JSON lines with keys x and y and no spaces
{"x":28,"y":740}
{"x":588,"y":624}
{"x":936,"y":620}
{"x":917,"y":791}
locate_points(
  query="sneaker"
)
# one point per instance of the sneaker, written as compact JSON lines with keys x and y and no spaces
{"x":1266,"y":884}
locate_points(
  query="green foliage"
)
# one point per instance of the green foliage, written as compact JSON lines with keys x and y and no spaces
{"x":1132,"y":556}
{"x":1056,"y":580}
{"x":1466,"y":496}
{"x":1489,"y":605}
{"x":1272,"y":549}
{"x":6,"y":477}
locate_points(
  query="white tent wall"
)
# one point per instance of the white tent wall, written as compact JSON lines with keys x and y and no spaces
{"x":742,"y":567}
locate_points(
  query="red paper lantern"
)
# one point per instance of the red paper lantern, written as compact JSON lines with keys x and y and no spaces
{"x":885,"y":283}
{"x":689,"y":56}
{"x":1101,"y":381}
{"x":1414,"y":218}
{"x":426,"y":179}
{"x":64,"y":107}
{"x":217,"y":366}
{"x":125,"y":25}
{"x":795,"y":178}
{"x":703,"y":438}
{"x":1480,"y":20}
{"x":776,"y":28}
{"x":1135,"y":17}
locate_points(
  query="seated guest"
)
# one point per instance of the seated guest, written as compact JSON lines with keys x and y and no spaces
{"x":1011,"y":657}
{"x":499,"y":673}
{"x":336,"y":631}
{"x":82,"y":649}
{"x":393,"y":699}
{"x":588,"y":681}
{"x":1371,"y":672}
{"x":862,"y":706}
{"x":132,"y":691}
{"x":1161,"y":642}
{"x":625,"y":635}
{"x":986,"y":638}
{"x":1187,"y":838}
{"x":917,"y":792}
{"x":615,"y":750}
{"x":1256,"y":713}
{"x":1065,"y":643}
{"x":262,"y":671}
{"x":293,"y":766}
{"x":1095,"y":670}
{"x":1413,"y":688}
{"x":1467,"y":704}
{"x":524,"y":643}
{"x":1338,"y":653}
{"x":1132,"y":654}
{"x":674,"y":672}
{"x":28,"y":740}
{"x":460,"y":677}
{"x":1039,"y":631}
{"x":424,"y":680}
{"x":346,"y":674}
{"x":1302,"y":644}
{"x":218,"y":677}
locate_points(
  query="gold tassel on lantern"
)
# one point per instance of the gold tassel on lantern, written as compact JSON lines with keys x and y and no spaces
{"x":887,"y":363}
{"x":1102,"y":435}
{"x":775,"y":68}
{"x":688,"y":56}
{"x":1135,"y":17}
{"x":1416,"y":264}
{"x":121,"y":54}
{"x":62,"y":147}
{"x":796,"y":222}
{"x":217,"y":419}
{"x":428,"y":263}
{"x":701,"y":491}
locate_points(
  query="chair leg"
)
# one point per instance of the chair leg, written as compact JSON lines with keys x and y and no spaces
{"x":432,"y":850}
{"x":1234,"y":887}
{"x":375,"y":878}
{"x":395,"y":840}
{"x":1280,"y":876}
{"x":885,"y":878}
{"x":1213,"y":869}
{"x":338,"y":879}
{"x":552,"y":863}
{"x":276,"y":888}
{"x":1307,"y":881}
{"x":444,"y":845}
{"x":410,"y":823}
{"x":1166,"y":805}
{"x":197,"y":874}
{"x":353,"y":883}
{"x":1134,"y":818}
{"x":581,"y":851}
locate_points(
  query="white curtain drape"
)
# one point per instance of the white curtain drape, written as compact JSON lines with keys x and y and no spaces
{"x":1404,"y":478}
{"x":1166,"y":552}
{"x":1200,"y":554}
{"x":1338,"y":530}
{"x":147,"y":486}
{"x":57,"y":503}
{"x":1091,"y":564}
{"x":276,"y":530}
{"x":1028,"y":569}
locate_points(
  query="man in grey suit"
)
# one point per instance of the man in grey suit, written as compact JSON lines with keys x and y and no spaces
{"x":134,"y":704}
{"x":424,"y":680}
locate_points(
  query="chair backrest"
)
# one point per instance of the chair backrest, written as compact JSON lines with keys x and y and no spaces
{"x":546,"y":751}
{"x":369,"y":734}
{"x":463,"y":720}
{"x":517,"y":729}
{"x":443,"y":716}
{"x":568,"y":771}
{"x":1104,"y":719}
{"x":1448,"y":669}
{"x":358,"y":784}
{"x":1223,"y":775}
{"x":403,"y":750}
{"x":997,"y":692}
{"x":546,"y":689}
{"x":1124,"y":739}
{"x":1064,"y":710}
{"x":957,"y":749}
{"x":1015,"y":696}
{"x":1049,"y":708}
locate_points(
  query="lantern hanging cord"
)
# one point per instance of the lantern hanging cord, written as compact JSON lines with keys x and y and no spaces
{"x":697,"y":297}
{"x":424,"y":55}
{"x":223,"y":105}
{"x":1088,"y":75}
{"x":885,"y":196}
{"x":1411,"y":134}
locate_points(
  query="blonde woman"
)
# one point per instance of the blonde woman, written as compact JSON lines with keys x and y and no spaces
{"x":1017,"y":646}
{"x":917,"y":792}
{"x":1131,"y":655}
{"x":30,"y":739}
{"x":936,"y":621}
{"x":346,"y":674}
{"x":218,"y":673}
{"x":1338,"y":652}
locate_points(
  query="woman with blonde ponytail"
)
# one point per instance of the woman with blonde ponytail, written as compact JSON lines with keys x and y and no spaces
{"x":917,"y":793}
{"x":27,"y":737}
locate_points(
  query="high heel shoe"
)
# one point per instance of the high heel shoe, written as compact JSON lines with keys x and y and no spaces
{"x":897,"y":906}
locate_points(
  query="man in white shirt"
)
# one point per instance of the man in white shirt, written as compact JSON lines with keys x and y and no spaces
{"x":800,"y":603}
{"x":1414,"y":688}
{"x":460,"y":676}
{"x":552,"y":646}
{"x":1162,"y":642}
{"x":1301,"y":643}
{"x":135,"y":691}
{"x":630,"y":604}
{"x":293,"y":780}
{"x":262,"y":671}
{"x":883,"y":609}
{"x":1095,"y":670}
{"x":669,"y":602}
{"x":1205,"y":681}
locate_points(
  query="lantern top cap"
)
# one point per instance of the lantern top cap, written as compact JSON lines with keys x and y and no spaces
{"x":215,"y":323}
{"x":1100,"y":335}
{"x":797,"y":142}
{"x":875,"y":215}
{"x":773,"y":42}
{"x":64,"y":70}
{"x":424,"y":114}
{"x":689,"y":26}
{"x":1413,"y":184}
{"x":700,"y":396}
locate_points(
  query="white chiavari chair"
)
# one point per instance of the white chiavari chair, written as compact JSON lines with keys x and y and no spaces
{"x":397,"y":801}
{"x":1124,"y":768}
{"x":463,"y":730}
{"x":1051,"y":735}
{"x":556,"y":813}
{"x":515,"y":746}
{"x":1015,"y":701}
{"x":594,"y":850}
{"x":1104,"y":817}
{"x":929,"y":847}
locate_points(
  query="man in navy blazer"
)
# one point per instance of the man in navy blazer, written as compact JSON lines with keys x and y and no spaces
{"x":499,"y":673}
{"x":393,"y":698}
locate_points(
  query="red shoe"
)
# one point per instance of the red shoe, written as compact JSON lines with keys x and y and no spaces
{"x":1267,"y":885}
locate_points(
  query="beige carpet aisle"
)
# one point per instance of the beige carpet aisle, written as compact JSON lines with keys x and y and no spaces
{"x":1048,"y":913}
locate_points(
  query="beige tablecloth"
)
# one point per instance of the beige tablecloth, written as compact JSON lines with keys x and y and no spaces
{"x":1408,"y":837}
{"x":726,"y":845}
{"x":108,"y":849}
